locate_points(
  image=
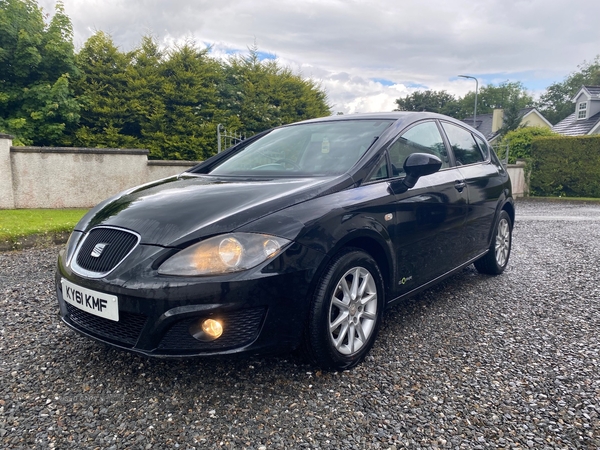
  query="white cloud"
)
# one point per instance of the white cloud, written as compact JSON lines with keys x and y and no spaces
{"x":348,"y":44}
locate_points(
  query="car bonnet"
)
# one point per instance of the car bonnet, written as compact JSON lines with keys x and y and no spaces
{"x":177,"y":210}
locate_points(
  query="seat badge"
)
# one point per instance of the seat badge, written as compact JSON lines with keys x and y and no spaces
{"x":98,"y":249}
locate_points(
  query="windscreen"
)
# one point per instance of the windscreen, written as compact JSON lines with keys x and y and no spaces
{"x":306,"y":149}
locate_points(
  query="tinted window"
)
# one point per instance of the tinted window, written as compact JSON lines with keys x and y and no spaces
{"x":422,"y":138}
{"x":466,"y":150}
{"x":485,"y":149}
{"x":381,"y":171}
{"x":307,"y":149}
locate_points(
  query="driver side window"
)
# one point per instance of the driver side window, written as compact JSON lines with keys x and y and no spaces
{"x":422,"y":138}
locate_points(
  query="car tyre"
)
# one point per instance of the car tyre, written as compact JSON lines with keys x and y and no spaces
{"x":345,"y":312}
{"x":496,"y":259}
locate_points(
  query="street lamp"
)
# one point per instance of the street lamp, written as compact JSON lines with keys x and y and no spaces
{"x":476,"y":89}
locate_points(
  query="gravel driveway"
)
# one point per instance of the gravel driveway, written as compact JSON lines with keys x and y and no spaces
{"x":476,"y":362}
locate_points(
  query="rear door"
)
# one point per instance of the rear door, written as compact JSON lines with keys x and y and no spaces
{"x":484,"y":186}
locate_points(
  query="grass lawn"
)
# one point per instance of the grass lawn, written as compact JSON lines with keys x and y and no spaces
{"x":16,"y":223}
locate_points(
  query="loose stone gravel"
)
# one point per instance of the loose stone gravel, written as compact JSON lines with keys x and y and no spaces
{"x":476,"y":362}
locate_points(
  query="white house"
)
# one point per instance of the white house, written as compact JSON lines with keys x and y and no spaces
{"x":585,"y":119}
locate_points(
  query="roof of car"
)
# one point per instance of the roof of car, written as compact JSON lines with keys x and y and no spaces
{"x":408,"y":116}
{"x":380,"y":115}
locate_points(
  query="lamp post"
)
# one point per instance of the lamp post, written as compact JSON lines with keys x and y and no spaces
{"x":476,"y":89}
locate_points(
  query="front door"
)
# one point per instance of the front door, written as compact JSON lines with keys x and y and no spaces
{"x":430,"y":217}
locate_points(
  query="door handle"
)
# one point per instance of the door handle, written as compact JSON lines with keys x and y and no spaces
{"x":459,"y":185}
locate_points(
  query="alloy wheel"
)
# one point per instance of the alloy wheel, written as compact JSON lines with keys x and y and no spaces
{"x":502,"y":242}
{"x":353,"y":311}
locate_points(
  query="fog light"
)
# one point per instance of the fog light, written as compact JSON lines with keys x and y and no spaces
{"x":206,"y":330}
{"x":213,"y":328}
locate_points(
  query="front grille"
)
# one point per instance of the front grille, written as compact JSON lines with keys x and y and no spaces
{"x":117,"y":244}
{"x":126,"y":331}
{"x":239,"y":328}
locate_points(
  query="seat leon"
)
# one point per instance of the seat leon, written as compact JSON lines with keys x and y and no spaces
{"x":299,"y":237}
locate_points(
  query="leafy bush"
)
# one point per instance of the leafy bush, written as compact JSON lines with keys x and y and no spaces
{"x":37,"y":64}
{"x":566,"y":166}
{"x":519,"y":141}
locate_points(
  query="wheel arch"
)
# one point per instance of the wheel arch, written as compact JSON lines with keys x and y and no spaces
{"x":377,"y":252}
{"x":371,"y":243}
{"x":507,"y":205}
{"x":510,"y":210}
{"x":321,"y":343}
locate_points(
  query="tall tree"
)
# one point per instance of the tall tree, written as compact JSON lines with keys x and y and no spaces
{"x":145,"y":83}
{"x":37,"y":104}
{"x":184,"y":126}
{"x":171,"y":101}
{"x":512,"y":112}
{"x":556,"y":103}
{"x":502,"y":96}
{"x":511,"y":119}
{"x":506,"y":95}
{"x":433,"y":101}
{"x":263,"y":94}
{"x":103,"y":88}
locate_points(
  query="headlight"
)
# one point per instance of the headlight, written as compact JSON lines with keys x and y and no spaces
{"x":223,"y":254}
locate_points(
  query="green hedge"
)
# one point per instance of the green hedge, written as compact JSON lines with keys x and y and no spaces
{"x":566,"y":166}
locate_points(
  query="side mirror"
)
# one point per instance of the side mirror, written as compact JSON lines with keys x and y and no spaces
{"x":418,"y":165}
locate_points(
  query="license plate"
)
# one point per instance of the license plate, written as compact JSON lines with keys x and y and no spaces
{"x":93,"y":302}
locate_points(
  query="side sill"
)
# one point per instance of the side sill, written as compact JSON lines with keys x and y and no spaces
{"x":434,"y":281}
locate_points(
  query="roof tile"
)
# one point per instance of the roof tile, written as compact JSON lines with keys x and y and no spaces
{"x":571,"y":126}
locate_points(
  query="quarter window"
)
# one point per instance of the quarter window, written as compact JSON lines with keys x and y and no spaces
{"x":422,"y":138}
{"x":485,"y":149}
{"x":582,"y":113}
{"x":381,"y":172}
{"x":466,"y":150}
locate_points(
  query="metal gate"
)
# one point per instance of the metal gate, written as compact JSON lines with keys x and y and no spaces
{"x":226,"y":139}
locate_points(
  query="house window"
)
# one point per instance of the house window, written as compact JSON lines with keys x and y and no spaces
{"x":582,"y":113}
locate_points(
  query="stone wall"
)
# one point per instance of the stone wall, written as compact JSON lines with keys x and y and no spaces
{"x":54,"y":177}
{"x":51,"y":177}
{"x":520,"y":184}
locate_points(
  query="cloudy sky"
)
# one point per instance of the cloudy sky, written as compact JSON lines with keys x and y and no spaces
{"x":366,"y":54}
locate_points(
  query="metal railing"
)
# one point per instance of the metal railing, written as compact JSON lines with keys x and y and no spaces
{"x":226,"y":139}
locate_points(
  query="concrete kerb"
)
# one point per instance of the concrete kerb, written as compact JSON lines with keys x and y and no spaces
{"x":34,"y":240}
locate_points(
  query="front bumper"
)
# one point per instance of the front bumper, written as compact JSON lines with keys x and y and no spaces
{"x":262,"y":310}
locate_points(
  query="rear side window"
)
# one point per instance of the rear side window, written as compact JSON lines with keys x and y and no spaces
{"x":466,"y":150}
{"x":422,"y":138}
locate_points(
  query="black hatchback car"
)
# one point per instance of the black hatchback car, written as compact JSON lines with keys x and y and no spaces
{"x":298,"y":237}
